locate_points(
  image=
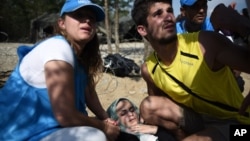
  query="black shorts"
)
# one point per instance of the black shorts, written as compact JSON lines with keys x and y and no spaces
{"x":193,"y":122}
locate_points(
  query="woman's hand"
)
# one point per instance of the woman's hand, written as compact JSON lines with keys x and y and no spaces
{"x":111,"y":131}
{"x":111,"y":121}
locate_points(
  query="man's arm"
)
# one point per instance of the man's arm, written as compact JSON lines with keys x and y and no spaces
{"x":227,"y":18}
{"x":219,"y":52}
{"x":152,"y":89}
{"x":245,"y":104}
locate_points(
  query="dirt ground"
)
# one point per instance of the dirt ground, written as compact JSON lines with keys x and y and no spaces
{"x":133,"y":89}
{"x":246,"y":78}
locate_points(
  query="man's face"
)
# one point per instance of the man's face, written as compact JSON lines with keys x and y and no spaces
{"x":197,"y":12}
{"x":161,"y":22}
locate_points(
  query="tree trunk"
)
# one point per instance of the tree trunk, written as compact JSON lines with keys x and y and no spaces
{"x":108,"y":33}
{"x":117,"y":42}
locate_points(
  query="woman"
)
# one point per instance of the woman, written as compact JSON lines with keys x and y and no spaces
{"x":46,"y":95}
{"x":126,"y":115}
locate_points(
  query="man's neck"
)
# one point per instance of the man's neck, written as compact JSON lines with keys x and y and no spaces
{"x":192,"y":27}
{"x":166,"y":52}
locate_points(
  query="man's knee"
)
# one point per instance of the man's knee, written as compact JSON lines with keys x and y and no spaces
{"x":153,"y":103}
{"x":146,"y":106}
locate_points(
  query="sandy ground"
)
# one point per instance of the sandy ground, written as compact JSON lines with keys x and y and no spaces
{"x":132,"y":88}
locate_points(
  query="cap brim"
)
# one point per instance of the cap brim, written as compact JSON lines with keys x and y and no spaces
{"x":190,"y":3}
{"x":100,"y":15}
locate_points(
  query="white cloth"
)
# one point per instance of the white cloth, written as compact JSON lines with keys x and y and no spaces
{"x":229,"y":37}
{"x":148,"y":137}
{"x":82,"y":133}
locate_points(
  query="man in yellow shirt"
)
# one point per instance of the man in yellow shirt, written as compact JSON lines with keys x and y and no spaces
{"x":192,"y":90}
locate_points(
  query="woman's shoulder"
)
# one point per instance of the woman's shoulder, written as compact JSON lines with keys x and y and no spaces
{"x":55,"y":48}
{"x":53,"y":44}
{"x":54,"y":40}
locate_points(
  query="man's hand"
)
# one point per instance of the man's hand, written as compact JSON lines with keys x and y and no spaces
{"x":245,"y":104}
{"x":232,"y":5}
{"x":226,"y":18}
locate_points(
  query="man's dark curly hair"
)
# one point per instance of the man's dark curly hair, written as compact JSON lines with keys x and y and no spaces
{"x":140,"y":9}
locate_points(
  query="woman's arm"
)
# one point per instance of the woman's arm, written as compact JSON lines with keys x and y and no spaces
{"x":60,"y":82}
{"x":94,"y":104}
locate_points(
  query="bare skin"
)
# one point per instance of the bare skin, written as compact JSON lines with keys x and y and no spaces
{"x":217,"y":51}
{"x":60,"y":79}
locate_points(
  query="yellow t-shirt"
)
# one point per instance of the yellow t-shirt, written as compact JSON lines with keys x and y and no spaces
{"x":190,"y":68}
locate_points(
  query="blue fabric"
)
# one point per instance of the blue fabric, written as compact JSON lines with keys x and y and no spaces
{"x":73,"y":5}
{"x":205,"y":26}
{"x":26,"y":112}
{"x":187,"y":2}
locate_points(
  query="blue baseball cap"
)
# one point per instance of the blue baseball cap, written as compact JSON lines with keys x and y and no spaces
{"x":188,"y":2}
{"x":73,"y":5}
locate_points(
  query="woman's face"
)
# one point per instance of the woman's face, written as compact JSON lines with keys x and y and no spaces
{"x":80,"y":25}
{"x":127,"y":113}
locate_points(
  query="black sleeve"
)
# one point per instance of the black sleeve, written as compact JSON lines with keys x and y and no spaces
{"x":164,"y":135}
{"x":126,"y":137}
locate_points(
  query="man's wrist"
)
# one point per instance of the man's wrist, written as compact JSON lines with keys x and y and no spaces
{"x":243,"y":27}
{"x":247,"y":38}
